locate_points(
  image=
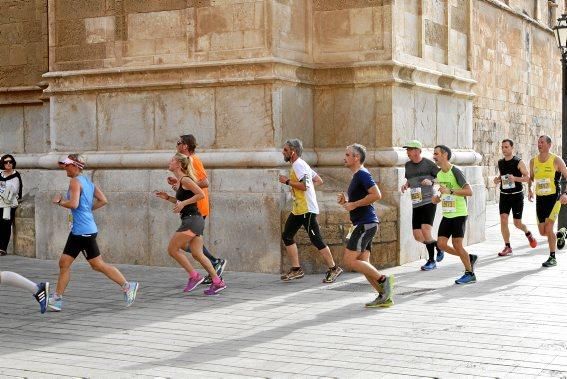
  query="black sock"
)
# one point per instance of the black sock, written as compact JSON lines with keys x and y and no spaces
{"x":430,"y":249}
{"x":552,"y":254}
{"x":528,"y":233}
{"x":296,"y":268}
{"x":333,"y":268}
{"x":507,"y":244}
{"x":382,"y":279}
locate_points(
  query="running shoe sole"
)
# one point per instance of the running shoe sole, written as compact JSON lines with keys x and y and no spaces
{"x":386,"y":304}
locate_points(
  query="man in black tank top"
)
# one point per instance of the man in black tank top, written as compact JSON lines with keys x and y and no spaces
{"x":513,"y":172}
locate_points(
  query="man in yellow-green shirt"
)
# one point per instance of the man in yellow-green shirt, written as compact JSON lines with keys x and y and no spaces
{"x":545,"y":170}
{"x":453,"y":189}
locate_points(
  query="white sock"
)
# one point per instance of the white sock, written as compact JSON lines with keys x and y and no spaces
{"x":16,"y":280}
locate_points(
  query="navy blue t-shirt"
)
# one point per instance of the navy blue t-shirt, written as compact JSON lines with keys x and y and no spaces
{"x":358,"y":189}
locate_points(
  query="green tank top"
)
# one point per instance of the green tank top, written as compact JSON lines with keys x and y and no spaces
{"x":453,"y":205}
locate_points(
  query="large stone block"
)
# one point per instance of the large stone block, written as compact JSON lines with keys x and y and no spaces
{"x":12,"y":129}
{"x":297,"y":114}
{"x":190,"y":111}
{"x":245,"y":229}
{"x":243,"y":111}
{"x":152,"y":25}
{"x":121,"y":240}
{"x":36,"y":128}
{"x":24,"y":239}
{"x":344,"y":115}
{"x":126,"y":121}
{"x":73,"y":122}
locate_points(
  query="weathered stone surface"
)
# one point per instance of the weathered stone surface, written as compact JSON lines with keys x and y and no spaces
{"x":125,"y":122}
{"x":249,"y":246}
{"x":344,"y":115}
{"x":296,"y":111}
{"x":12,"y":128}
{"x":36,"y":128}
{"x":73,"y":121}
{"x":243,"y":111}
{"x":190,"y":111}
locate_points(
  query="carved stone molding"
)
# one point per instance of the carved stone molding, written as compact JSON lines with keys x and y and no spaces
{"x":256,"y":72}
{"x":21,"y":95}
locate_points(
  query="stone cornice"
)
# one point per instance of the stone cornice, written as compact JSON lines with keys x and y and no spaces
{"x":268,"y":158}
{"x":21,"y":95}
{"x":507,"y":8}
{"x":257,"y":71}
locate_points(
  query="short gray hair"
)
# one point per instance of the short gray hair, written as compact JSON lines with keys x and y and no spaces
{"x":546,"y":137}
{"x":358,"y":149}
{"x":295,"y":145}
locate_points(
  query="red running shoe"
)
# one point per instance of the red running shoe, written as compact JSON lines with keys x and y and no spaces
{"x":505,"y":252}
{"x":532,"y":240}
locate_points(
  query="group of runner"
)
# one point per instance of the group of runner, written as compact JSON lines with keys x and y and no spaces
{"x":545,"y":170}
{"x":430,"y":183}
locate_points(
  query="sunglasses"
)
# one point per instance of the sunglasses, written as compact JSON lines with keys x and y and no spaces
{"x":8,"y":161}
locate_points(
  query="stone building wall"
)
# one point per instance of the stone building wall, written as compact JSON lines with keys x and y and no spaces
{"x":516,"y":65}
{"x":125,"y":78}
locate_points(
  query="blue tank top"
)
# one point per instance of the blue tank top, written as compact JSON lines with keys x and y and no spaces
{"x":83,"y":219}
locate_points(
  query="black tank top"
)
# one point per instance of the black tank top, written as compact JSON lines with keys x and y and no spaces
{"x":510,"y":167}
{"x":183,"y":194}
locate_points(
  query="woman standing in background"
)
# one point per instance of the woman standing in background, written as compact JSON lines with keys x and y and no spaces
{"x":10,"y":195}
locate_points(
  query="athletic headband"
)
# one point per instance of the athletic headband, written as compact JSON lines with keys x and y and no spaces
{"x":68,"y":160}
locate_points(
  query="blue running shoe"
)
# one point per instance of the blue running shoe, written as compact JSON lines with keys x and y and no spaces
{"x":428,"y":266}
{"x":55,"y":304}
{"x":440,"y":255}
{"x":42,"y":296}
{"x":467,"y":278}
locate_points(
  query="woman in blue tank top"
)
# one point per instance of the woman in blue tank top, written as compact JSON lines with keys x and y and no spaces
{"x":83,"y":197}
{"x":192,"y":225}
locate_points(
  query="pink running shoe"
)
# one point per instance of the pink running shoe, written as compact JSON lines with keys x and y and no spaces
{"x":214,"y":289}
{"x":505,"y":252}
{"x":193,"y":283}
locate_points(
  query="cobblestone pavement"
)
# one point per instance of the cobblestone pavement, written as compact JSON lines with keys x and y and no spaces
{"x":510,"y":324}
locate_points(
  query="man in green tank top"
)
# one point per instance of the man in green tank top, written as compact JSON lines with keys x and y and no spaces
{"x":453,"y":189}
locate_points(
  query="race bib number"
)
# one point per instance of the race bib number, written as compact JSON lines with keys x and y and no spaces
{"x":543,"y":186}
{"x":448,"y":203}
{"x":416,"y":196}
{"x":507,"y":183}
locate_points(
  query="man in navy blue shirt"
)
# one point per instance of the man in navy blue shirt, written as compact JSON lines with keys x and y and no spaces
{"x":362,"y":193}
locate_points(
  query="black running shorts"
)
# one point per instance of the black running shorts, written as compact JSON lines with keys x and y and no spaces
{"x":452,"y":227}
{"x":361,"y":237}
{"x":84,"y":243}
{"x":513,"y":202}
{"x":423,"y":215}
{"x":544,"y":205}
